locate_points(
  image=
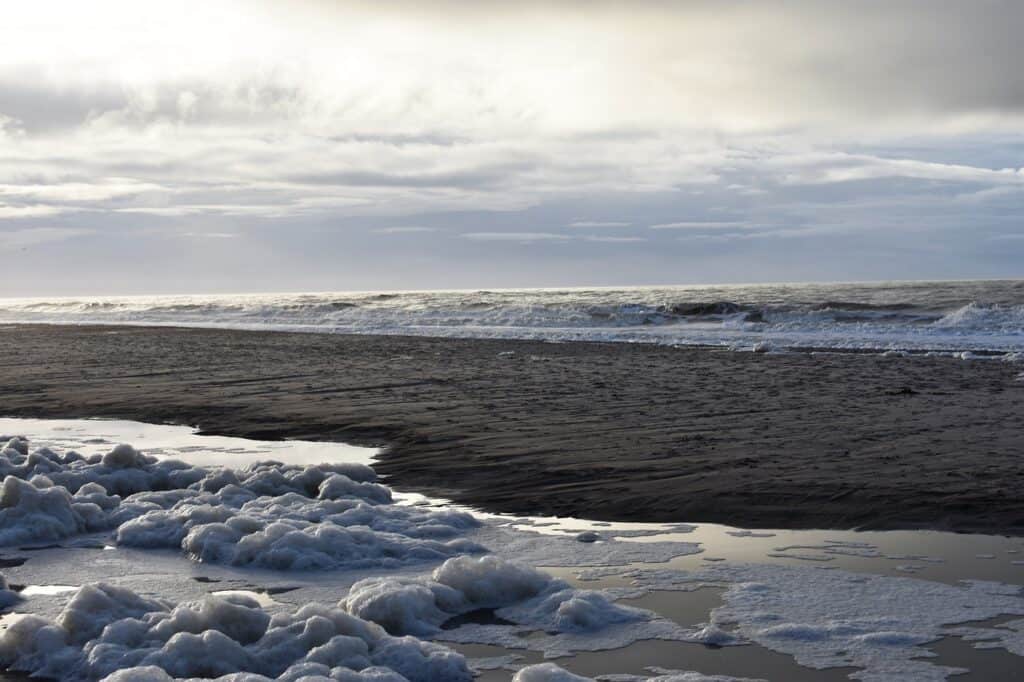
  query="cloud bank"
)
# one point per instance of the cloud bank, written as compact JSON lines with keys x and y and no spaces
{"x":312,"y":130}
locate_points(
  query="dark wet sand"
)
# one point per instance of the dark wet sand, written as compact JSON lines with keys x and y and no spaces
{"x":605,"y":431}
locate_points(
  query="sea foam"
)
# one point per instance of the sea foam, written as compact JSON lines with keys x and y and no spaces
{"x":941,"y":316}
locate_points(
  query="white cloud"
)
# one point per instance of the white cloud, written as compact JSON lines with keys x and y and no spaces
{"x":80,"y":191}
{"x":210,"y":235}
{"x":34,"y":211}
{"x":514,"y":236}
{"x":835,"y":167}
{"x":405,"y":229}
{"x":698,"y":225}
{"x":207,"y":209}
{"x":612,"y":239}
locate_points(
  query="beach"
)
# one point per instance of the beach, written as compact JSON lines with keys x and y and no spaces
{"x":505,"y":341}
{"x":605,"y":431}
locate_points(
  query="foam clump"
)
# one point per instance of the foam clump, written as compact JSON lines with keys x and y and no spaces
{"x":113,"y":633}
{"x":547,"y":672}
{"x":419,"y":606}
{"x":521,"y":595}
{"x":122,"y":471}
{"x":124,"y":456}
{"x":8,"y":597}
{"x":38,"y":510}
{"x":269,"y":514}
{"x":712,"y":635}
{"x":16,"y":444}
{"x":292,"y":531}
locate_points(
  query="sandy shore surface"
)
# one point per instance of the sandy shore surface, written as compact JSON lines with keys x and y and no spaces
{"x":604,"y":431}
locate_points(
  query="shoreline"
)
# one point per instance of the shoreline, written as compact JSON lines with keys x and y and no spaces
{"x":600,"y":430}
{"x":977,"y":353}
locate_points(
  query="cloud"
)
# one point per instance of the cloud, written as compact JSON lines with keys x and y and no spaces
{"x":598,"y":223}
{"x":405,"y":229}
{"x":834,"y":167}
{"x":634,"y":66}
{"x":824,"y":229}
{"x":612,"y":239}
{"x":210,"y":235}
{"x":549,"y":236}
{"x":207,"y":209}
{"x":102,"y":190}
{"x":468,"y":178}
{"x":33,"y":211}
{"x":706,"y":120}
{"x":698,"y":225}
{"x":524,"y":237}
{"x":34,"y":236}
{"x":429,"y":117}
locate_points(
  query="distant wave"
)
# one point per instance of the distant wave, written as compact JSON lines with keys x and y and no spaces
{"x":941,"y":316}
{"x":853,"y":305}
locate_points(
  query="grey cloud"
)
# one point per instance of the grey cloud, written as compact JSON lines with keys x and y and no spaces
{"x":210,"y":235}
{"x":33,"y":236}
{"x":599,"y":223}
{"x":37,"y":107}
{"x":27,"y":211}
{"x":750,"y":130}
{"x":405,"y":229}
{"x":474,"y":178}
{"x":40,"y":108}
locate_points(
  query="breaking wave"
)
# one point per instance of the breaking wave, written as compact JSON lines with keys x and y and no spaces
{"x":941,"y":316}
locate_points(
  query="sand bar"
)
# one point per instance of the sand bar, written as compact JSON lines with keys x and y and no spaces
{"x":603,"y":431}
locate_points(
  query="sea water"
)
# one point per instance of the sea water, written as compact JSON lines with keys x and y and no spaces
{"x":980,"y":317}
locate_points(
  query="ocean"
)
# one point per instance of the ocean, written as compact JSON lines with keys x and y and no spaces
{"x":973,"y":317}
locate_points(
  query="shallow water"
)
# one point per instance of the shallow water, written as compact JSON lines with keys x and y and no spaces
{"x":929,"y":555}
{"x":97,"y":436}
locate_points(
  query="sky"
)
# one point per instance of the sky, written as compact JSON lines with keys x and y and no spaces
{"x":216,"y":146}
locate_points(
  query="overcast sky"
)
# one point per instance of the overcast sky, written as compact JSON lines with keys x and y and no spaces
{"x":244,"y":146}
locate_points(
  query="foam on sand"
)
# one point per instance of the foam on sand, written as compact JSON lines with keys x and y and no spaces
{"x":269,"y":514}
{"x":108,"y":630}
{"x":832,"y":618}
{"x":292,"y":517}
{"x":105,"y":630}
{"x":522,"y":595}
